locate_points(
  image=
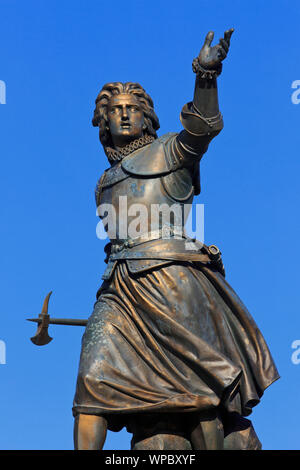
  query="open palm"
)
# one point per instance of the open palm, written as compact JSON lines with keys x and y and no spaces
{"x":210,"y":57}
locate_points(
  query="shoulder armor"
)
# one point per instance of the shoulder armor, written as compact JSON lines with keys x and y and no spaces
{"x":113,"y":175}
{"x":98,"y":189}
{"x":179,"y":185}
{"x":110,"y":177}
{"x":152,"y":159}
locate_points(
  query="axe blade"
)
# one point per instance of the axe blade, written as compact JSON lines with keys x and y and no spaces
{"x":42,"y":337}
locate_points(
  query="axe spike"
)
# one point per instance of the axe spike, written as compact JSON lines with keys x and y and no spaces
{"x":46,"y":303}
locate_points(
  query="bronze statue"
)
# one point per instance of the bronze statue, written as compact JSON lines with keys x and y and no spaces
{"x":169,"y":351}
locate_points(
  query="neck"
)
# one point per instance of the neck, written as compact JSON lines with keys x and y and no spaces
{"x":118,"y":153}
{"x":122,"y":141}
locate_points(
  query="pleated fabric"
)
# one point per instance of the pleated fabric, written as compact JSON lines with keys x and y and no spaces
{"x":175,"y":339}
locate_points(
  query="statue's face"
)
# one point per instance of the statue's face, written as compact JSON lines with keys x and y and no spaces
{"x":125,"y":119}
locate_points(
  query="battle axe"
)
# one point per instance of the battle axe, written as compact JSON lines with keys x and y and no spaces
{"x":42,"y":337}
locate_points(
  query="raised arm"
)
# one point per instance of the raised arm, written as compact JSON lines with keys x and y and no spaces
{"x":201,"y":118}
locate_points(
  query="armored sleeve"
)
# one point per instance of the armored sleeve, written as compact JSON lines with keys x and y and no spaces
{"x":198,"y":131}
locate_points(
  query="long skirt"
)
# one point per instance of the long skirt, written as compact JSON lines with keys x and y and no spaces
{"x":176,"y":339}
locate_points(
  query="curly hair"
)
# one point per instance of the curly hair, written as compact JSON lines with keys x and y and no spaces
{"x":100,"y":118}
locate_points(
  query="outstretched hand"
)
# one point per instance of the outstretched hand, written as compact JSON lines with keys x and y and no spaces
{"x":211,"y":57}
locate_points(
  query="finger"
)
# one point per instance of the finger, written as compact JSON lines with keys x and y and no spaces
{"x":227,"y":35}
{"x":209,"y":38}
{"x":221,"y":53}
{"x":224,"y":44}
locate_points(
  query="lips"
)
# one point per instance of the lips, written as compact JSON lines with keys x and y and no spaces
{"x":125,"y":126}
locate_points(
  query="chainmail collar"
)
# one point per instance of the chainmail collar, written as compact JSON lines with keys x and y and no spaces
{"x":117,"y":155}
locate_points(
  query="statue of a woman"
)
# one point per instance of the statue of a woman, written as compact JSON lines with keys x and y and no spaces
{"x":170,"y":351}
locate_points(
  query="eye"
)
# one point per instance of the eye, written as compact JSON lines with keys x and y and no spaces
{"x":114,"y":110}
{"x":133,"y":109}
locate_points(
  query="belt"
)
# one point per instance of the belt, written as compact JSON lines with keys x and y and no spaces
{"x":168,"y":256}
{"x":165,"y":233}
{"x":202,"y":254}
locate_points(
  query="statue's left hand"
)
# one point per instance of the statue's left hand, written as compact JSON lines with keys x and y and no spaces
{"x":211,"y":57}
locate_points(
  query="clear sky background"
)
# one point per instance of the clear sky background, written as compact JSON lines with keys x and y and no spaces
{"x":55,"y":57}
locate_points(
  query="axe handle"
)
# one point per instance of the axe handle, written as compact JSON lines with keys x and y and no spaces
{"x":61,"y":321}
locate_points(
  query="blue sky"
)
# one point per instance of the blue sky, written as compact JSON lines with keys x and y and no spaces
{"x":55,"y":57}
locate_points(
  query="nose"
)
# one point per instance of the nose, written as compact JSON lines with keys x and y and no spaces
{"x":124,"y":113}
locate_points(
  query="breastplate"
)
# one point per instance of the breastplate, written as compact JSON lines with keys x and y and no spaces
{"x":146,"y":191}
{"x":131,"y":206}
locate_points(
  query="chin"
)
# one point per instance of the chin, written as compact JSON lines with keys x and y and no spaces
{"x":129,"y":135}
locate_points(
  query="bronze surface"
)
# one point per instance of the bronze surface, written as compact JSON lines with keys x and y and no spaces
{"x":170,"y":351}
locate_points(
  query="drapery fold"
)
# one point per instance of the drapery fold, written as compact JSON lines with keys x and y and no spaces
{"x":175,"y":339}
